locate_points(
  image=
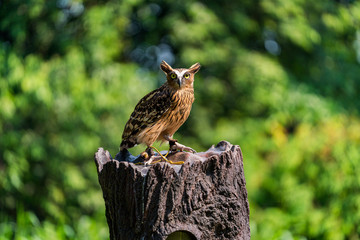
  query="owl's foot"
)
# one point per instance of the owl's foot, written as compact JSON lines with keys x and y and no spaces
{"x":175,"y":146}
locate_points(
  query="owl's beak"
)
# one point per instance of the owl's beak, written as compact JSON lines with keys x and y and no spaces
{"x":179,"y":82}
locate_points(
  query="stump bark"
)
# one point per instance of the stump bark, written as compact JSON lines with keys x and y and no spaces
{"x":205,"y":198}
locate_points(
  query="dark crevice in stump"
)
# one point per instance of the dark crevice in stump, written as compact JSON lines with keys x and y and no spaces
{"x":205,"y":197}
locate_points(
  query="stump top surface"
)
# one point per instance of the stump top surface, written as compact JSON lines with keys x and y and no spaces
{"x":103,"y":156}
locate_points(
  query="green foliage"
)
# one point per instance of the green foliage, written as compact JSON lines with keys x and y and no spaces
{"x":28,"y":226}
{"x":279,"y":78}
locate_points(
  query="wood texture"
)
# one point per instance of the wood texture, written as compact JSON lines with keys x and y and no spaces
{"x":206,"y":196}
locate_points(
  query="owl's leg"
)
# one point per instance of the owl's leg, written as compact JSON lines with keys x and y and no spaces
{"x":174,"y":145}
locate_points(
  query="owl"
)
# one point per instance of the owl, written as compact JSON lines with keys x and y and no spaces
{"x":160,"y":113}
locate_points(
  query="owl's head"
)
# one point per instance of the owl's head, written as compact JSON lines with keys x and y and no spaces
{"x":180,"y":78}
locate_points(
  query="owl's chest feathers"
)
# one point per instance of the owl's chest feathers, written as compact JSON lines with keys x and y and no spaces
{"x":181,"y":102}
{"x":179,"y":111}
{"x":170,"y":122}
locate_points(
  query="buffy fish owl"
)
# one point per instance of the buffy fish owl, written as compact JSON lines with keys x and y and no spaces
{"x":160,"y":113}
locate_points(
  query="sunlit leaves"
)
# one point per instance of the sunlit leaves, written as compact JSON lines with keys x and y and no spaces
{"x":278,"y":77}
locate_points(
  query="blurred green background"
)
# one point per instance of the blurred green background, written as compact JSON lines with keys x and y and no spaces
{"x":279,"y":78}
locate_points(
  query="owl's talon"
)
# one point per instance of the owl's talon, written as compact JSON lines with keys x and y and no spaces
{"x":192,"y":150}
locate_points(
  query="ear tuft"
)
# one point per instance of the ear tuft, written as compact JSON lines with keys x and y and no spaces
{"x":165,"y":67}
{"x":195,"y":68}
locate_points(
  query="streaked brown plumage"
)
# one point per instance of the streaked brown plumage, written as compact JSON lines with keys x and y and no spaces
{"x":159,"y":114}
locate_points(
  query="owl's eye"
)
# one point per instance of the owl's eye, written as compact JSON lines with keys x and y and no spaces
{"x":186,"y":75}
{"x":173,"y":75}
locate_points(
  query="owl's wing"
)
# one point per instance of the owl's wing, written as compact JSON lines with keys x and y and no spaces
{"x":147,"y":112}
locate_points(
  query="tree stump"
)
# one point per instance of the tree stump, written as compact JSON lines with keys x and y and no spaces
{"x":205,"y":198}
